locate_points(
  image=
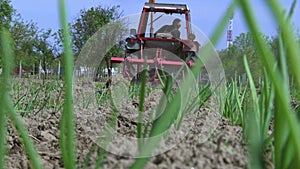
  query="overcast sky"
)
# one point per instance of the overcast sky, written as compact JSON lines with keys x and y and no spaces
{"x":205,"y":14}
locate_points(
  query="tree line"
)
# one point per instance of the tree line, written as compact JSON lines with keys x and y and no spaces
{"x":33,"y":45}
{"x":244,"y":45}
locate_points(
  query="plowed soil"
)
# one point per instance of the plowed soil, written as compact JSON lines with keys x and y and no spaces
{"x":210,"y":142}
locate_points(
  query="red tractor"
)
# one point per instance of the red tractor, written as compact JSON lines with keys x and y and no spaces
{"x":159,"y":49}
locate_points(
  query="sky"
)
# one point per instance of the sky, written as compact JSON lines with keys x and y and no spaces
{"x":205,"y":14}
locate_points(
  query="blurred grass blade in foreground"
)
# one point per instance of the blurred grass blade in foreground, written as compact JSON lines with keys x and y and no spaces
{"x":285,"y":121}
{"x":7,"y":106}
{"x":67,"y":126}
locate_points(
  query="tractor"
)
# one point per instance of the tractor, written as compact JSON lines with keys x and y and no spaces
{"x":159,"y":52}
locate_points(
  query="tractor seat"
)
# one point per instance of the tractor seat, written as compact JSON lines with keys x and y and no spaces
{"x":164,"y":35}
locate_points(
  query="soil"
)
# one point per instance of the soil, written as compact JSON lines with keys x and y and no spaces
{"x":209,"y":142}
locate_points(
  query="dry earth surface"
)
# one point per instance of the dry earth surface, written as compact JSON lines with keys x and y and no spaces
{"x":211,"y":142}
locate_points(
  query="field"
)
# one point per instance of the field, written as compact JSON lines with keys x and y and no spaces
{"x":76,"y":122}
{"x":212,"y":142}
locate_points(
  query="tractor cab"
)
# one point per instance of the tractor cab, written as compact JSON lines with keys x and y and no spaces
{"x":157,"y":15}
{"x":150,"y":44}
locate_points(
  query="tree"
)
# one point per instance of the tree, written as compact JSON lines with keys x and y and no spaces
{"x":232,"y":58}
{"x":88,"y":23}
{"x":6,"y":13}
{"x":230,"y":62}
{"x":97,"y":26}
{"x":24,"y":35}
{"x":45,"y":49}
{"x":106,"y":42}
{"x":31,"y":44}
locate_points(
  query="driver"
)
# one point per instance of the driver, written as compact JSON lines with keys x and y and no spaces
{"x":172,"y":29}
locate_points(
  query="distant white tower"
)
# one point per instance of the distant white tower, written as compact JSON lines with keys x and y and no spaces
{"x":229,"y":32}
